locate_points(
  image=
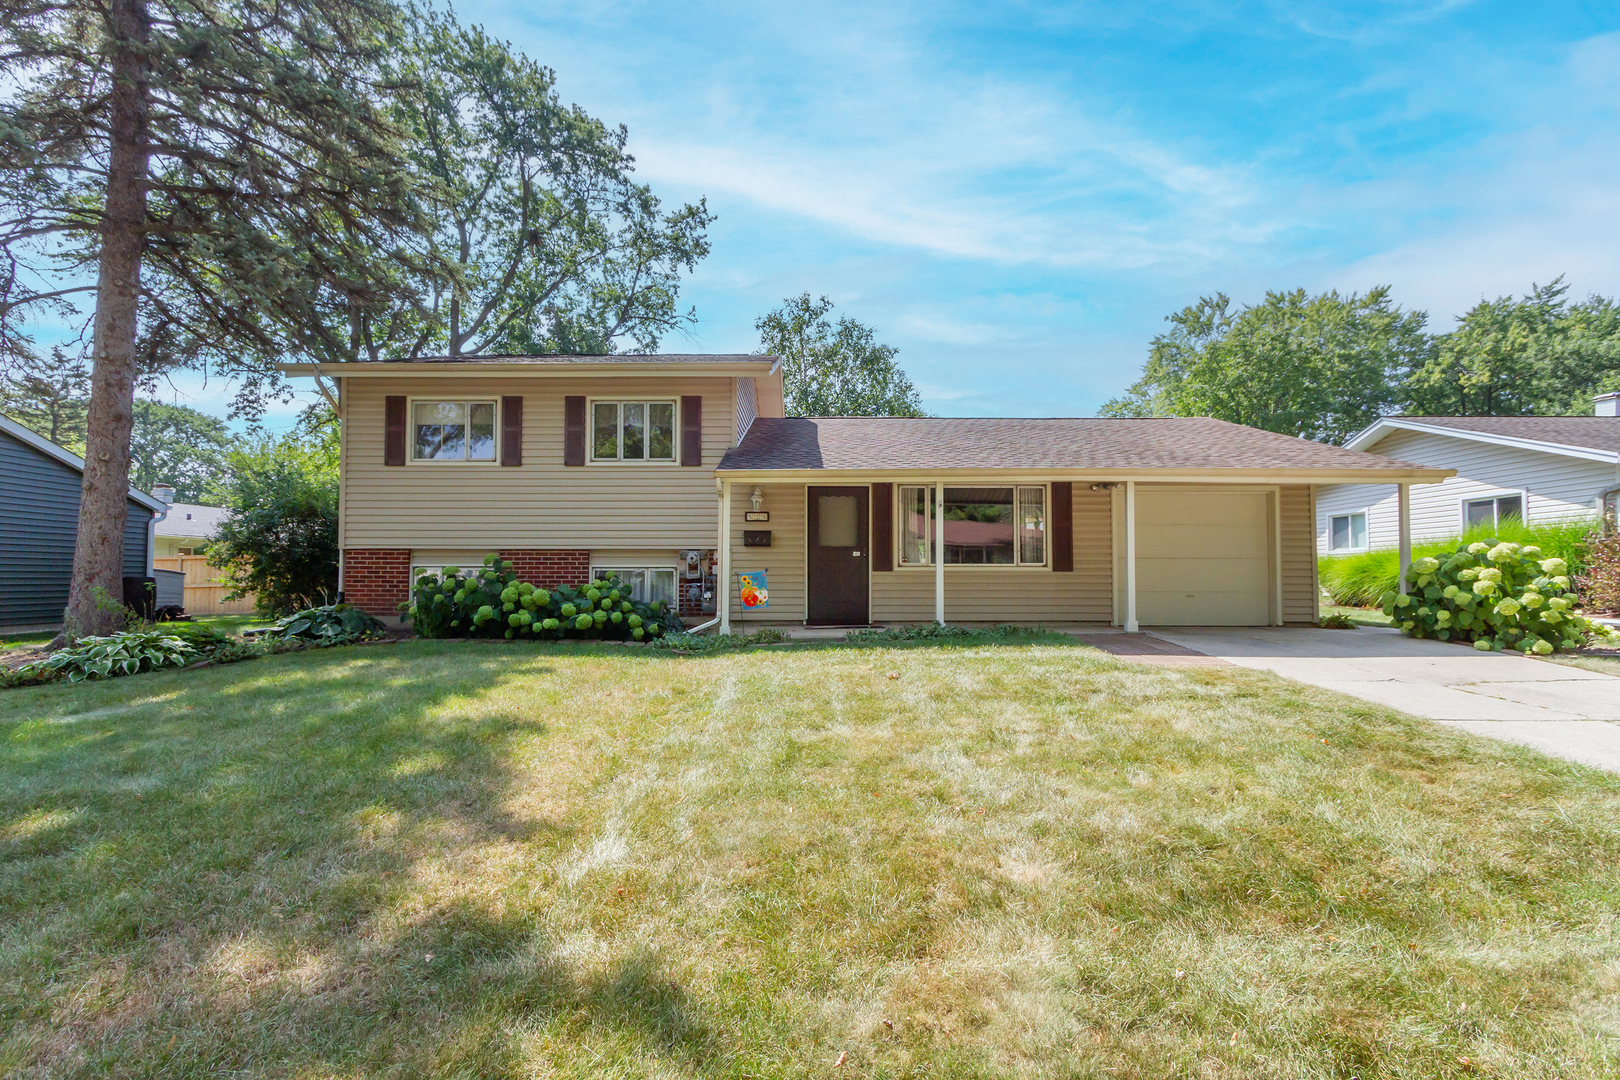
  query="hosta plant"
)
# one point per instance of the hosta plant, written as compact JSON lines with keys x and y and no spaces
{"x":1496,"y":595}
{"x":334,"y":624}
{"x":491,"y":601}
{"x":124,"y":653}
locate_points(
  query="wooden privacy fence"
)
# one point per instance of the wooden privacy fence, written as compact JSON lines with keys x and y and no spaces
{"x":205,"y":591}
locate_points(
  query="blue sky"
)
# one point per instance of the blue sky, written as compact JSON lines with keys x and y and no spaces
{"x":1016,"y":194}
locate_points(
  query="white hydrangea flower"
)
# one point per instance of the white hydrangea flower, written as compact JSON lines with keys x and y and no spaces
{"x":1477,"y":547}
{"x":1483,"y":644}
{"x":1484,"y":588}
{"x":1502,"y":551}
{"x":1530,"y":551}
{"x":1554,"y":566}
{"x":1403,"y":600}
{"x":1425,"y":565}
{"x":1543,"y":648}
{"x":1558,"y":603}
{"x":1450,"y":592}
{"x":1532,"y":600}
{"x":1506,"y":606}
{"x":1443,"y":616}
{"x":1467,"y":575}
{"x":1562,"y":582}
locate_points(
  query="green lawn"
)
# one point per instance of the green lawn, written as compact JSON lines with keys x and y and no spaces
{"x":491,"y":860}
{"x":1361,"y":616}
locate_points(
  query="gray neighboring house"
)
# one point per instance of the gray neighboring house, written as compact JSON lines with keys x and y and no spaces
{"x":39,"y":523}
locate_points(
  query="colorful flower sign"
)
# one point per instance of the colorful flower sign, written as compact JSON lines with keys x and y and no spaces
{"x":751,"y":587}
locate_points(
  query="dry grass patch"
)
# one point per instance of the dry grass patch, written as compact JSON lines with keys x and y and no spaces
{"x":448,"y":859}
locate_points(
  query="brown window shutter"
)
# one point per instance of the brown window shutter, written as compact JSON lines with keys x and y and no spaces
{"x":573,"y":431}
{"x":692,"y":430}
{"x":1062,"y":532}
{"x":511,"y":431}
{"x":882,"y":527}
{"x":394,"y":429}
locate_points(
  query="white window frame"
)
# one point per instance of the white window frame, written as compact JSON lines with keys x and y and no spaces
{"x":418,"y":569}
{"x":673,"y":602}
{"x":1016,"y":564}
{"x":1365,"y":532}
{"x":410,"y":431}
{"x":1523,"y":495}
{"x":621,"y":402}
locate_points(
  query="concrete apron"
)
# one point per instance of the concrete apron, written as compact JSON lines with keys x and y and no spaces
{"x":1564,"y":711}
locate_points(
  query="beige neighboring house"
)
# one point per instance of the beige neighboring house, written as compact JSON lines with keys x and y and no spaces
{"x":681,"y":474}
{"x":180,"y":540}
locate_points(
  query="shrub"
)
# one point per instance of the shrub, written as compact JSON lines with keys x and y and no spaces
{"x":1362,"y":579}
{"x":492,"y":602}
{"x":334,"y":624}
{"x":1599,"y":586}
{"x":199,"y":636}
{"x":124,"y":653}
{"x":684,"y":642}
{"x":1497,"y":595}
{"x":954,"y":635}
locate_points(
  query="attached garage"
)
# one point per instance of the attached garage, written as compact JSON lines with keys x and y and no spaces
{"x":1205,"y":557}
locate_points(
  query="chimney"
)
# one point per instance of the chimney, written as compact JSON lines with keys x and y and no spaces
{"x":164,"y":493}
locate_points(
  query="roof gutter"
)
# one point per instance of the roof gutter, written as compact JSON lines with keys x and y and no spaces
{"x":1158,"y":476}
{"x":477,"y":370}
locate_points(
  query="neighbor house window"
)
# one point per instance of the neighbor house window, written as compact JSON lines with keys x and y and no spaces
{"x":1492,"y":512}
{"x":453,"y":430}
{"x":647,"y":583}
{"x":633,"y":431}
{"x":984,"y":526}
{"x":1347,"y":532}
{"x":437,"y":569}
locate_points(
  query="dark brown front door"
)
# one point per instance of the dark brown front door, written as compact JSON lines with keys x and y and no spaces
{"x":839,"y":557}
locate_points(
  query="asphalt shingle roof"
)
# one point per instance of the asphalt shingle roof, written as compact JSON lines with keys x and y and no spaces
{"x":984,"y":443}
{"x":191,"y":519}
{"x":1591,"y":432}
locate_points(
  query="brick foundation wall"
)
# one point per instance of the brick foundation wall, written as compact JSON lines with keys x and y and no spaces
{"x":549,"y":569}
{"x":377,"y":580}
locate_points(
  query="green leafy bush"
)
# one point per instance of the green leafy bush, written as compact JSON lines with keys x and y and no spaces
{"x":935,"y":632}
{"x":334,"y":624}
{"x":689,"y":643}
{"x":1599,"y":585}
{"x":1497,"y":595}
{"x":1361,"y":580}
{"x":124,"y":653}
{"x":492,"y":602}
{"x":199,"y":636}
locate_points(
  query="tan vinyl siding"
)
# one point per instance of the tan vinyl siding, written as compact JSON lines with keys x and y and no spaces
{"x":1299,"y":589}
{"x":783,"y":561}
{"x":541,"y":504}
{"x":1013,"y":594}
{"x":747,"y":406}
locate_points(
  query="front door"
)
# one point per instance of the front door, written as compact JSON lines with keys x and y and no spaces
{"x":839,"y":557}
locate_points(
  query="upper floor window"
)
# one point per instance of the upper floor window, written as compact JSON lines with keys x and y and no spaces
{"x":1347,"y":532}
{"x":453,"y":431}
{"x":633,"y":431}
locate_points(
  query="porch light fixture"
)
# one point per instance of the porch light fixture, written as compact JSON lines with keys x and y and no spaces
{"x":757,"y":500}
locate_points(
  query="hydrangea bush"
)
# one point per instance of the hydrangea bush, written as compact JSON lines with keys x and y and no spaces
{"x":492,"y":602}
{"x":1497,"y":595}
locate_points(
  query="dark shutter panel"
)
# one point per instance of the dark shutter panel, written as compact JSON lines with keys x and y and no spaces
{"x":1062,"y":533}
{"x":882,"y":527}
{"x":573,"y":431}
{"x":394,"y":429}
{"x":691,"y":430}
{"x":511,"y":431}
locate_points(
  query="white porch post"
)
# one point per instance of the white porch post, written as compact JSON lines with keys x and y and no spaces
{"x":939,"y":553}
{"x":1130,"y":557}
{"x":722,"y":585}
{"x":1403,"y":503}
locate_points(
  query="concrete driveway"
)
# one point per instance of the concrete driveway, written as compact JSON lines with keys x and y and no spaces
{"x":1564,"y":711}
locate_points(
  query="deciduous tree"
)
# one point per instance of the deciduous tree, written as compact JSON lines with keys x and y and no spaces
{"x":279,"y":540}
{"x":834,"y":370}
{"x":1318,"y":367}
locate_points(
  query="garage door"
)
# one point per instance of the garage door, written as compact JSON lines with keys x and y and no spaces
{"x":1203,"y":558}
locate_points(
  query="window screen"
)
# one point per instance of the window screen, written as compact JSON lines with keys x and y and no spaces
{"x":837,"y":519}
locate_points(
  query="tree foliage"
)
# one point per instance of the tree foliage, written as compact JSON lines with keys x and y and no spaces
{"x":177,"y":445}
{"x":279,"y":538}
{"x":834,"y":370}
{"x":228,"y":170}
{"x":1318,"y":367}
{"x":50,"y":396}
{"x":538,"y":240}
{"x":1538,"y":354}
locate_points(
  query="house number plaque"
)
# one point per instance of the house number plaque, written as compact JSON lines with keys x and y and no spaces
{"x":756,"y":515}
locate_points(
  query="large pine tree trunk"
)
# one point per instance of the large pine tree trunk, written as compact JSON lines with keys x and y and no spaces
{"x":95,"y":599}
